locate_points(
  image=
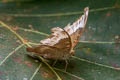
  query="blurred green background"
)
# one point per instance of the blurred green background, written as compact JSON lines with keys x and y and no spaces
{"x":97,"y":53}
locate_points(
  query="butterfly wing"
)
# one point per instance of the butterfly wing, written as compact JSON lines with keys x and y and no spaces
{"x":60,"y":43}
{"x":58,"y":38}
{"x":56,"y":46}
{"x":75,"y":30}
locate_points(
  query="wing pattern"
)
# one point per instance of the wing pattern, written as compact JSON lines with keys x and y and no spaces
{"x":61,"y":42}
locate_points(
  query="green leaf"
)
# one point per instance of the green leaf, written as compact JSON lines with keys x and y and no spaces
{"x":97,"y":55}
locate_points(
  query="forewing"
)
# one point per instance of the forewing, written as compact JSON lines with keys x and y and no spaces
{"x":58,"y":38}
{"x":76,"y":29}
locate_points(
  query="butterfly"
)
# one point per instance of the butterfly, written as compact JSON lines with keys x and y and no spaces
{"x":59,"y":45}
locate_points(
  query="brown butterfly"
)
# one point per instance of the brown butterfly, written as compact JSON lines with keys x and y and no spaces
{"x":59,"y":45}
